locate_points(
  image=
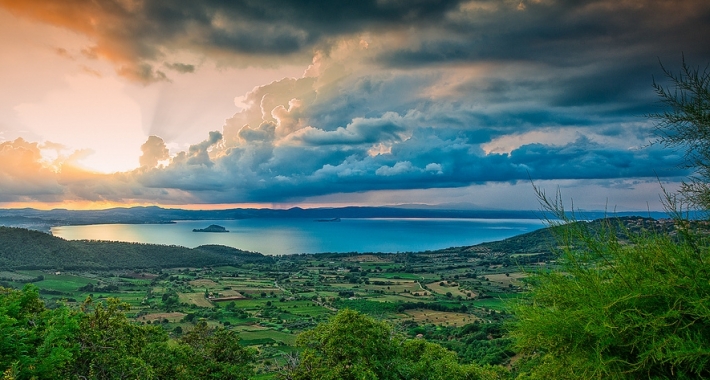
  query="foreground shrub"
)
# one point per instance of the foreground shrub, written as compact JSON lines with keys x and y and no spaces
{"x":354,"y":346}
{"x":619,"y":308}
{"x":99,"y":342}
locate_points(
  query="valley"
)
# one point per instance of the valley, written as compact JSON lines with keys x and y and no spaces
{"x":458,"y":297}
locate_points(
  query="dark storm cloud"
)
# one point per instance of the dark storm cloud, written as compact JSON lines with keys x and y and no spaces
{"x":134,"y":34}
{"x":606,"y":50}
{"x":263,"y":172}
{"x":440,"y":94}
{"x":361,"y":131}
{"x":563,"y":33}
{"x":181,"y":67}
{"x":428,"y":158}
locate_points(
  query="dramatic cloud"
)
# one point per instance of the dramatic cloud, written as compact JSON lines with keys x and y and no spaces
{"x":181,"y":67}
{"x":395,"y":95}
{"x":154,"y":150}
{"x":48,"y":173}
{"x":23,"y":174}
{"x":136,"y":34}
{"x":561,"y":33}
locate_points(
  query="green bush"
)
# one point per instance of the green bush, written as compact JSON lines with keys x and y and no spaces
{"x":630,"y":308}
{"x":354,"y":346}
{"x":99,"y":342}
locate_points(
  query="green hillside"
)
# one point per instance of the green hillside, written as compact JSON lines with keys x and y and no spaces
{"x":26,"y":249}
{"x":545,"y":241}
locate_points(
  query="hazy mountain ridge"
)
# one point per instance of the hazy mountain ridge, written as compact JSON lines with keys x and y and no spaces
{"x":27,"y":249}
{"x":43,"y":220}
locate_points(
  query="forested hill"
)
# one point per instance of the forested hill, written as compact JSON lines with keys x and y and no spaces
{"x":25,"y":249}
{"x":43,"y":220}
{"x":541,"y":244}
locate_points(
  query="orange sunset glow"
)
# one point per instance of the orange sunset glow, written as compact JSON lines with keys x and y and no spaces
{"x":209,"y":105}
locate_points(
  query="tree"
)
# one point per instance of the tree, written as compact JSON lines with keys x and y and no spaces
{"x":215,"y":353}
{"x":626,"y":305}
{"x":686,"y":126}
{"x":621,"y":306}
{"x":354,"y":346}
{"x":35,"y":342}
{"x":350,"y":346}
{"x":99,"y":342}
{"x":112,"y":347}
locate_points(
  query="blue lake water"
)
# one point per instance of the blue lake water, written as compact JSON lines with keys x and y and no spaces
{"x":290,"y":236}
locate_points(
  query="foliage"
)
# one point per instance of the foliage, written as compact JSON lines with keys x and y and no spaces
{"x":99,"y":342}
{"x":350,"y":346}
{"x":479,"y":343}
{"x":112,"y":347}
{"x":374,"y":308}
{"x":686,"y":126}
{"x":34,"y":341}
{"x":216,"y":354}
{"x":354,"y":346}
{"x":616,"y":310}
{"x":49,"y":252}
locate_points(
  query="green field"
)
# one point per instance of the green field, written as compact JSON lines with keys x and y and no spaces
{"x":293,"y":294}
{"x":63,"y":282}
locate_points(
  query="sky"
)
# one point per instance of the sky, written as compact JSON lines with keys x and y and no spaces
{"x":214,"y":104}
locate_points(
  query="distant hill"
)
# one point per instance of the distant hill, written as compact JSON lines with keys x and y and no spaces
{"x":44,"y":220}
{"x":541,"y":244}
{"x":26,"y":249}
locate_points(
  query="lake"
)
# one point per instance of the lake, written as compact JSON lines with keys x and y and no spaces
{"x":291,"y":236}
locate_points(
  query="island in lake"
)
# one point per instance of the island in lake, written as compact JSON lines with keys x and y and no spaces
{"x":328,"y":220}
{"x":212,"y":228}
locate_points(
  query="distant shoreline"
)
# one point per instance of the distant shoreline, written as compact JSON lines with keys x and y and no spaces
{"x":46,"y":220}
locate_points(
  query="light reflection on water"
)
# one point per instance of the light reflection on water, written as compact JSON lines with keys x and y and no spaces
{"x":289,"y":236}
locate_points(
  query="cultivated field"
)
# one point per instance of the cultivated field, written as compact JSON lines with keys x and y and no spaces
{"x":270,"y":303}
{"x":170,"y":317}
{"x":444,"y":287}
{"x":440,"y":318}
{"x":197,"y":299}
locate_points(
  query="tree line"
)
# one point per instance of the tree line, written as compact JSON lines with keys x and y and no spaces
{"x":27,"y":249}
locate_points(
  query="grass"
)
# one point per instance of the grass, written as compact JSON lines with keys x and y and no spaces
{"x":265,"y":376}
{"x":204,"y":283}
{"x":15,"y":276}
{"x":272,"y":327}
{"x":403,"y":297}
{"x":253,"y":303}
{"x":440,"y":317}
{"x":312,"y":310}
{"x":447,"y":288}
{"x":503,"y":280}
{"x":398,"y":275}
{"x":368,"y":259}
{"x":63,"y":282}
{"x":197,"y":299}
{"x":171,"y":317}
{"x":256,"y":291}
{"x":263,"y":336}
{"x":397,"y":286}
{"x":491,"y":303}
